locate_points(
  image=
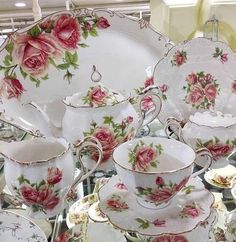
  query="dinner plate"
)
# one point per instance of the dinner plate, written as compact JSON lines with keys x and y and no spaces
{"x":53,"y":58}
{"x":15,"y":228}
{"x":197,"y":75}
{"x":228,"y":171}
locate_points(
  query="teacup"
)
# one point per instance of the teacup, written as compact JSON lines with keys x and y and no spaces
{"x":40,"y":173}
{"x":156,"y":169}
{"x":230,"y":224}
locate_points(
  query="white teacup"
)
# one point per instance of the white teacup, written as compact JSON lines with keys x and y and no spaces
{"x":156,"y":169}
{"x":230,"y":224}
{"x":40,"y":173}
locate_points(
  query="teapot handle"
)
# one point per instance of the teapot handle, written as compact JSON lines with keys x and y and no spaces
{"x":87,"y":142}
{"x":173,"y":125}
{"x":148,"y":116}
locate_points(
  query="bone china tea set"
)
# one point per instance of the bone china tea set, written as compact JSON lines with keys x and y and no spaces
{"x":51,"y":88}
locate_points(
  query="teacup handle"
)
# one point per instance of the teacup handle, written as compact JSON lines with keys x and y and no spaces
{"x":174,"y":125}
{"x":207,"y":153}
{"x":148,"y":117}
{"x":92,"y":142}
{"x":132,"y":238}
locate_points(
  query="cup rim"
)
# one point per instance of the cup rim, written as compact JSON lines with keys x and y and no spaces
{"x":63,"y":142}
{"x":154,"y":172}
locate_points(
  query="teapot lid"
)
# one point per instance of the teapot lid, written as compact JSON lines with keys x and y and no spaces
{"x":213,"y":119}
{"x":96,"y":96}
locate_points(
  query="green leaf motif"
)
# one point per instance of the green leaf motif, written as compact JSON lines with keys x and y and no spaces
{"x":24,"y":74}
{"x":9,"y":47}
{"x":34,"y":32}
{"x":21,"y":179}
{"x":153,"y":164}
{"x":36,"y":81}
{"x":64,"y":66}
{"x":108,"y":119}
{"x":144,"y":224}
{"x":83,"y":45}
{"x":69,"y":57}
{"x":85,"y":34}
{"x":93,"y":32}
{"x":45,"y":77}
{"x":68,"y":76}
{"x":7,"y":60}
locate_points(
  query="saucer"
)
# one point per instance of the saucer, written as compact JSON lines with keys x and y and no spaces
{"x":191,"y":206}
{"x":226,"y":172}
{"x":96,"y":232}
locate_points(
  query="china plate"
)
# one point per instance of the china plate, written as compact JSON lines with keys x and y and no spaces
{"x":189,"y":208}
{"x":53,"y":58}
{"x":195,"y":76}
{"x":96,"y":232}
{"x":228,"y":171}
{"x":14,"y":228}
{"x":81,"y":209}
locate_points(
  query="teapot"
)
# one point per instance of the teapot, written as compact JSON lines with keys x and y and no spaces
{"x":212,"y":130}
{"x":99,"y":112}
{"x":40,"y":172}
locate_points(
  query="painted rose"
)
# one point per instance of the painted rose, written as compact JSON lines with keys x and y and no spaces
{"x":163,"y":88}
{"x":64,"y":237}
{"x":47,"y":25}
{"x":44,"y":193}
{"x":179,"y":58}
{"x":208,"y":77}
{"x":130,"y":119}
{"x":121,"y":186}
{"x":234,"y":87}
{"x":149,"y":82}
{"x":196,"y":95}
{"x":192,"y":79}
{"x":51,"y":202}
{"x":218,"y":150}
{"x":181,"y":184}
{"x":33,"y":53}
{"x":54,"y":175}
{"x":224,"y":58}
{"x":67,"y":32}
{"x":191,"y":211}
{"x":210,"y":91}
{"x":143,"y":157}
{"x":88,"y":26}
{"x":29,"y":194}
{"x":107,"y":139}
{"x":102,"y":23}
{"x":11,"y":88}
{"x":116,"y":204}
{"x":97,"y":96}
{"x":160,"y":181}
{"x":147,"y":103}
{"x":161,"y":195}
{"x":170,"y":238}
{"x":159,"y":223}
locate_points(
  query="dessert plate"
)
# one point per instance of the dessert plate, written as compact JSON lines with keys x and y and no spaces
{"x":188,"y":209}
{"x":197,"y":75}
{"x":96,"y":232}
{"x":14,"y":228}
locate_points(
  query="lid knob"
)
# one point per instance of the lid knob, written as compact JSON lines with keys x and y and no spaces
{"x":96,"y":75}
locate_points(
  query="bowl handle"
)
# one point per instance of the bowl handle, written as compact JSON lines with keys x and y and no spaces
{"x":203,"y":152}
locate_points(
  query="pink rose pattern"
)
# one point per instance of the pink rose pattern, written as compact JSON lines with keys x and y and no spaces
{"x":234,"y":87}
{"x":40,"y":196}
{"x":70,"y":235}
{"x":191,"y":211}
{"x":99,"y":96}
{"x":219,"y":54}
{"x":116,"y":204}
{"x":11,"y":88}
{"x":217,"y":147}
{"x":201,"y":89}
{"x":144,"y":156}
{"x":168,"y":238}
{"x":110,"y":135}
{"x":144,"y":223}
{"x":52,"y":42}
{"x":179,"y":58}
{"x":121,"y":186}
{"x":163,"y":192}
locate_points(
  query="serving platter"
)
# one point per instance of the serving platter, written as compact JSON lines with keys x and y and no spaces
{"x":197,"y":75}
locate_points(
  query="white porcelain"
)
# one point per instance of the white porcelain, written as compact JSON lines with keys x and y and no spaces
{"x":44,"y":224}
{"x":155,"y":169}
{"x":96,"y":232}
{"x":212,"y":130}
{"x":230,"y":223}
{"x":195,"y":76}
{"x":191,"y":206}
{"x":222,"y":177}
{"x":68,"y":44}
{"x":39,"y":172}
{"x":15,"y":228}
